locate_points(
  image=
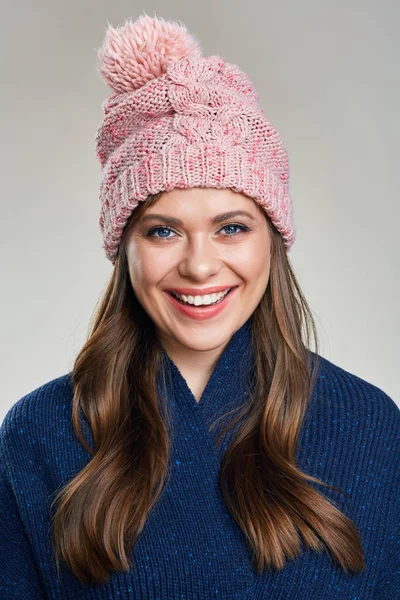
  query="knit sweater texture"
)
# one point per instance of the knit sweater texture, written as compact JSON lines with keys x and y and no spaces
{"x":191,"y":547}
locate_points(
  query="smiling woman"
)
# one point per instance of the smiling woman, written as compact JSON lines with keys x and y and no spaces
{"x":179,"y":457}
{"x":200,"y":253}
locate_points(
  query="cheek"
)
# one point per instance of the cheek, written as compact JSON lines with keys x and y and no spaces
{"x":147,"y":266}
{"x":251,"y":259}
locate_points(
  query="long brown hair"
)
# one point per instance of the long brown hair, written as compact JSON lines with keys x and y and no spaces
{"x":101,"y":512}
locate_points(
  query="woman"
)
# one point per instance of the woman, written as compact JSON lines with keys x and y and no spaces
{"x":198,"y":448}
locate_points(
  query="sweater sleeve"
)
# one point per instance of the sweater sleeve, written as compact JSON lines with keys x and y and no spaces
{"x":388,"y":583}
{"x":18,"y":571}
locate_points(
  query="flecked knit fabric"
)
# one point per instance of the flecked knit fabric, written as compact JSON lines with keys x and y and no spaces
{"x":180,"y":120}
{"x":190,"y":547}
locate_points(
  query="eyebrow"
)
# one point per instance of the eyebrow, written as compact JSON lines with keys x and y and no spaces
{"x":217,"y":219}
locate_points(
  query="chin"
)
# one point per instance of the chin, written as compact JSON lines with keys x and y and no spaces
{"x":204,"y":336}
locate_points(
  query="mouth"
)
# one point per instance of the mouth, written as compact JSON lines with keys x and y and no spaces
{"x":181,"y":301}
{"x":201,"y":312}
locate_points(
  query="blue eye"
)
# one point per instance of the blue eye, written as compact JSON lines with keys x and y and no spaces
{"x":242,"y":228}
{"x":151,"y":232}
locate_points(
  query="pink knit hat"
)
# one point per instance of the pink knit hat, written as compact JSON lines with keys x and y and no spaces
{"x":180,"y":120}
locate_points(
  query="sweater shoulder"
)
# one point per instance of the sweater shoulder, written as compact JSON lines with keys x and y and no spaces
{"x":351,"y":401}
{"x":30,"y":417}
{"x":346,"y":385}
{"x":40,"y":401}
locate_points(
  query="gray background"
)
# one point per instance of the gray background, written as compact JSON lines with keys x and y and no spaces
{"x":328,"y":78}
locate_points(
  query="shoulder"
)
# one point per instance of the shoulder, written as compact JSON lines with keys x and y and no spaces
{"x":340,"y":387}
{"x":352,"y":408}
{"x":45,"y":399}
{"x":29,"y":420}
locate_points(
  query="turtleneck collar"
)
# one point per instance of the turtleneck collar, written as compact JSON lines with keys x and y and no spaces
{"x":227,"y":387}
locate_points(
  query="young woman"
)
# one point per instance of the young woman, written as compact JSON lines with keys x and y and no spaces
{"x":198,"y":448}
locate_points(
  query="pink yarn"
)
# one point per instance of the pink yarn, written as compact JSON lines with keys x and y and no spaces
{"x":137,"y":52}
{"x":178,"y":119}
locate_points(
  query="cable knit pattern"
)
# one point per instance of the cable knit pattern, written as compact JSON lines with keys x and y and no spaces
{"x":191,"y":548}
{"x":198,"y":124}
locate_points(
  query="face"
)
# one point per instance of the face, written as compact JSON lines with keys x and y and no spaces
{"x":201,"y":250}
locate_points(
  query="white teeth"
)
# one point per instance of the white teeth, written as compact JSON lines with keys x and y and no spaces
{"x":202,"y":300}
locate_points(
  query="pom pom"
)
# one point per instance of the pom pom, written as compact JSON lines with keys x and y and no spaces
{"x":136,"y":52}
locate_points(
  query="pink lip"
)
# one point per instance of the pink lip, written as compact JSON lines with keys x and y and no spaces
{"x":200,"y":291}
{"x":203,"y":312}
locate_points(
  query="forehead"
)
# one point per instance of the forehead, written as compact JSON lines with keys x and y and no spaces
{"x":201,"y":204}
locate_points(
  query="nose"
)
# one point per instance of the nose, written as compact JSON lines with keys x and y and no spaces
{"x":199,"y":259}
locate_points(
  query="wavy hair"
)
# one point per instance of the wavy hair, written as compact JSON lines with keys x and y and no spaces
{"x":101,"y":512}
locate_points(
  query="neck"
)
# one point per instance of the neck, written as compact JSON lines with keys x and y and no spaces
{"x":196,"y":366}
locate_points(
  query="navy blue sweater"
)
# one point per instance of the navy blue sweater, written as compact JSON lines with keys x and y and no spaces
{"x":191,"y":548}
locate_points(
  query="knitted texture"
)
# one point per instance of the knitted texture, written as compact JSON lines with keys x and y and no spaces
{"x":191,"y":548}
{"x":180,"y":120}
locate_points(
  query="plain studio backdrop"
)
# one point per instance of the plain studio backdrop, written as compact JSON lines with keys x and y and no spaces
{"x":328,"y":78}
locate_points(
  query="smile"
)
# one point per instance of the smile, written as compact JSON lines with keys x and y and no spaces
{"x":205,"y":300}
{"x":202,"y":307}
